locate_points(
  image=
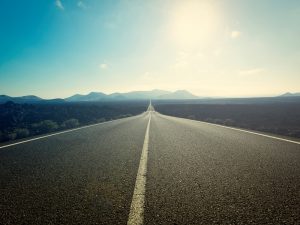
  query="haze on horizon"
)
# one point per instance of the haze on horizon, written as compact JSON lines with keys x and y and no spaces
{"x":227,"y":48}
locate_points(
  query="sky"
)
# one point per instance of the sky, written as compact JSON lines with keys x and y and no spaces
{"x":212,"y":48}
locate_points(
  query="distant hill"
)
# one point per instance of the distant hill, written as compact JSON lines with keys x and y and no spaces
{"x":154,"y":94}
{"x":93,"y":96}
{"x":134,"y":95}
{"x":99,"y":96}
{"x":288,"y":94}
{"x":180,"y":94}
{"x":22,"y":99}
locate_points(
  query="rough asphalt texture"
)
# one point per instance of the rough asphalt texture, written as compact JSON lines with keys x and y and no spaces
{"x":203,"y":174}
{"x":82,"y":177}
{"x":197,"y":174}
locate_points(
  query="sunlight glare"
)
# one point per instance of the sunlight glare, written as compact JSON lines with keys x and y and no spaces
{"x":193,"y":23}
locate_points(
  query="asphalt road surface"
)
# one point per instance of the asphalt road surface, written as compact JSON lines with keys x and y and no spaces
{"x":179,"y":172}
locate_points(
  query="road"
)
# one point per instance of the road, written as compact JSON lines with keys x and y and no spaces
{"x":151,"y":169}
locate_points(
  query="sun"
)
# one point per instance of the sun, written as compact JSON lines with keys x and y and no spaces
{"x":193,"y":23}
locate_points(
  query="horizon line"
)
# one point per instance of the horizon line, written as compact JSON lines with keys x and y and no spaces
{"x":200,"y":97}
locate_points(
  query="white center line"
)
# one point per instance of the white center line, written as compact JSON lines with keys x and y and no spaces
{"x":136,"y":215}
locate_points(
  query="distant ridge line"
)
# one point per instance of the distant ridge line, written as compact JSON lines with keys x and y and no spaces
{"x":155,"y":94}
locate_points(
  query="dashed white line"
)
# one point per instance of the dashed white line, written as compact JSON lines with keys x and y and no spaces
{"x":136,"y":214}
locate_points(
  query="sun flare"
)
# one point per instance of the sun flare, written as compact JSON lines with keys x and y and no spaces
{"x":193,"y":23}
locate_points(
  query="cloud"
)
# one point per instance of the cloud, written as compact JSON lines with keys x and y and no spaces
{"x":235,"y":34}
{"x":81,"y":4}
{"x":182,"y":60}
{"x":146,"y":77}
{"x":103,"y":66}
{"x":252,"y":71}
{"x":59,"y":5}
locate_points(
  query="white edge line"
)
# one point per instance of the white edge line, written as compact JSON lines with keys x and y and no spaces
{"x":136,"y":214}
{"x":62,"y":132}
{"x":237,"y":129}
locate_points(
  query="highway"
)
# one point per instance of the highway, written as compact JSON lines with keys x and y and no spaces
{"x":151,"y":169}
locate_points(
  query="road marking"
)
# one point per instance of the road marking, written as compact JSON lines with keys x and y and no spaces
{"x":61,"y":132}
{"x":237,"y":129}
{"x":136,"y":214}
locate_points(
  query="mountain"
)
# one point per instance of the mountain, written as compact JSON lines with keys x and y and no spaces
{"x":116,"y":96}
{"x":93,"y":96}
{"x":133,"y":95}
{"x":180,"y":94}
{"x":154,"y":94}
{"x":22,"y":99}
{"x":99,"y":96}
{"x":288,"y":94}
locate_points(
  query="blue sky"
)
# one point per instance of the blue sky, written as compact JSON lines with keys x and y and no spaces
{"x":53,"y":48}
